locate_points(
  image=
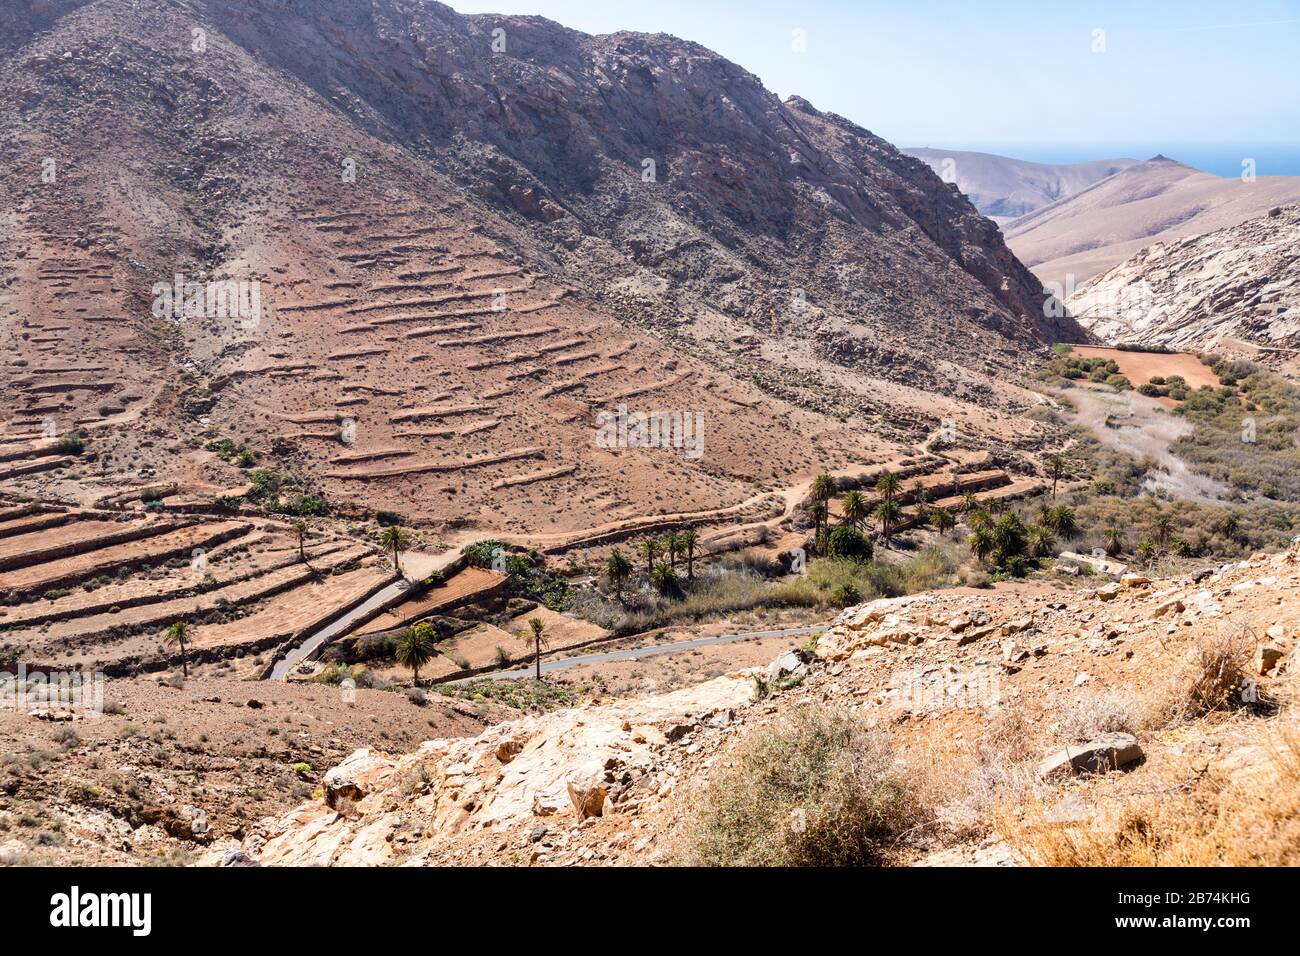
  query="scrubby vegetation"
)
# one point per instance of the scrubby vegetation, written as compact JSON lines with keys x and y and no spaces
{"x":527,"y":695}
{"x":73,"y":443}
{"x":279,"y":494}
{"x":1064,"y":369}
{"x":529,"y":575}
{"x":742,"y":583}
{"x":818,"y":789}
{"x":1245,"y":433}
{"x":1117,"y":513}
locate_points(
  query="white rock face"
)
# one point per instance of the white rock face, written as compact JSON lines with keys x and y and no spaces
{"x":575,"y":763}
{"x":1242,"y":282}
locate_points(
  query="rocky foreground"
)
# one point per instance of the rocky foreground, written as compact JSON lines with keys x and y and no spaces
{"x":613,"y":782}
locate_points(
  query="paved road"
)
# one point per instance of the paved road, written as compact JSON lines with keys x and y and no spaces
{"x":636,"y":653}
{"x":337,"y":626}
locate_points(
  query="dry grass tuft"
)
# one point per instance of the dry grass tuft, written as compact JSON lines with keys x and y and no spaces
{"x":1214,"y":678}
{"x":1084,"y":716}
{"x":1249,"y":816}
{"x":817,"y":789}
{"x":969,"y":786}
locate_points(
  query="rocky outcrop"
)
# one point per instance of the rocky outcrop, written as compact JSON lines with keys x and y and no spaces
{"x":1237,"y":283}
{"x":608,"y":781}
{"x":566,"y":766}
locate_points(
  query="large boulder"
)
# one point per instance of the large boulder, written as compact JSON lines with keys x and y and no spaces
{"x":793,"y":663}
{"x":361,"y":773}
{"x":875,"y":624}
{"x":588,"y":789}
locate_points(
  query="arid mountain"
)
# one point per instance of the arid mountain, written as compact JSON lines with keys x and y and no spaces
{"x":1160,"y":200}
{"x":1003,"y":188}
{"x":1242,"y":282}
{"x":450,"y":241}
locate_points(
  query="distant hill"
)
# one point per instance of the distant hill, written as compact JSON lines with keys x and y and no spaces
{"x":1003,"y":188}
{"x":1242,"y":282}
{"x":1160,"y":200}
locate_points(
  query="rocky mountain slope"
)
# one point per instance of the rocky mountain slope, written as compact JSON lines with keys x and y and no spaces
{"x":1160,"y":200}
{"x":1242,"y":282}
{"x":467,"y":235}
{"x":1004,"y":189}
{"x":979,"y":691}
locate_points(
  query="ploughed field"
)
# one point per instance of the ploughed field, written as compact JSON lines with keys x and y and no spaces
{"x":1140,"y":367}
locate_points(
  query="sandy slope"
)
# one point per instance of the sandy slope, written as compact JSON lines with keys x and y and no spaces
{"x":1003,"y":188}
{"x":1160,"y":200}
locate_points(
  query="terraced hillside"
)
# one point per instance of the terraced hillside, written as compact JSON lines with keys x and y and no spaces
{"x":409,"y":304}
{"x":98,"y":589}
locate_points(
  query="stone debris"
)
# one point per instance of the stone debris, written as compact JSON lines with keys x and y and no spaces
{"x":1107,"y":752}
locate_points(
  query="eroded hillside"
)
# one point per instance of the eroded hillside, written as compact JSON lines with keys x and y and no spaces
{"x":357,"y":243}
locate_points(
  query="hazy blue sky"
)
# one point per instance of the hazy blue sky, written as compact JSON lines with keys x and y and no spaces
{"x":1203,"y":81}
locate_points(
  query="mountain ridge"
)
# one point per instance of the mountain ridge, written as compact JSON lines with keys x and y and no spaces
{"x":1004,"y":188}
{"x":1159,"y":200}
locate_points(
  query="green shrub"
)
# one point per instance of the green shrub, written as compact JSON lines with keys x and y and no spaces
{"x":845,"y":541}
{"x":70,"y":444}
{"x":846,"y":595}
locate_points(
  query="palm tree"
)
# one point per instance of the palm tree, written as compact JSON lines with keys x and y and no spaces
{"x":415,"y":648}
{"x":888,"y":485}
{"x":663,"y":577}
{"x":1009,"y":537}
{"x":943,"y":520}
{"x":980,"y":542}
{"x":979,"y":518}
{"x":1055,"y":471}
{"x":823,"y":487}
{"x":817,"y":511}
{"x":1147,"y":551}
{"x":888,"y":514}
{"x":395,"y":539}
{"x":617,"y":569}
{"x":1063,"y":522}
{"x":855,"y":507}
{"x":650,"y":551}
{"x":689,"y":539}
{"x":538,"y":628}
{"x":1039,"y":540}
{"x":300,"y":529}
{"x":1161,"y":527}
{"x":1114,"y":538}
{"x":177,"y":635}
{"x":969,"y":502}
{"x":922,"y":513}
{"x":672,"y":544}
{"x":919,"y":494}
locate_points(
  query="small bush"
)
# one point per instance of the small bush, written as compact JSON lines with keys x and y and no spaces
{"x":70,"y":444}
{"x":846,"y":541}
{"x":818,"y":789}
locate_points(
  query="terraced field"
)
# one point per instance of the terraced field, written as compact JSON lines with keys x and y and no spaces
{"x":97,"y":588}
